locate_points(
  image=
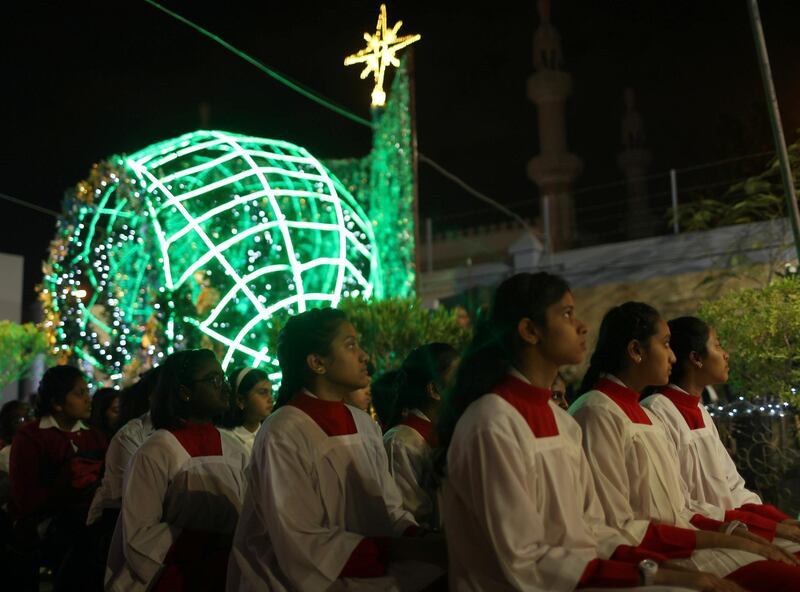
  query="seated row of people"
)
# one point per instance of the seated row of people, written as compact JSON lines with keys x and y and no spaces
{"x":612,"y":494}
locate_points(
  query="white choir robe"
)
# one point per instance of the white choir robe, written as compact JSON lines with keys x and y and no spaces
{"x":194,"y":484}
{"x":520,"y":511}
{"x":707,"y":470}
{"x":242,"y":435}
{"x":409,"y":450}
{"x":124,"y":443}
{"x":637,"y":478}
{"x":312,"y":498}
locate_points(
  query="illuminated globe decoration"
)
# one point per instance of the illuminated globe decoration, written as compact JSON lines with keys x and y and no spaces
{"x":201,"y":241}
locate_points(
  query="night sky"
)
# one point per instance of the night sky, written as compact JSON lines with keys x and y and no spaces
{"x":84,"y":80}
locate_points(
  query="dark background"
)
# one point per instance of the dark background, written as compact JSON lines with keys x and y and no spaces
{"x":83,"y":80}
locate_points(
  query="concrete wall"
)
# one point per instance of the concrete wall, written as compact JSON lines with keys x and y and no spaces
{"x":674,"y":273}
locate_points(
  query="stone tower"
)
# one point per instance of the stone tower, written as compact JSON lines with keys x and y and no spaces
{"x":555,"y":168}
{"x":633,"y":161}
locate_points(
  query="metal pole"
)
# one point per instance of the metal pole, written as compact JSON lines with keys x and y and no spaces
{"x":775,"y":119}
{"x":548,"y":248}
{"x":429,"y":242}
{"x":673,"y":184}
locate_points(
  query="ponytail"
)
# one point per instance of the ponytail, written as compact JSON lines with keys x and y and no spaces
{"x":495,"y":347}
{"x":307,"y":333}
{"x":425,"y":365}
{"x":621,"y":325}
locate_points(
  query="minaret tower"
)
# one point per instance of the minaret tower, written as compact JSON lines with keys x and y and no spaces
{"x":554,"y":169}
{"x":633,"y":162}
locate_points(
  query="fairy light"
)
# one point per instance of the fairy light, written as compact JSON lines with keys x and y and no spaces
{"x":203,"y":237}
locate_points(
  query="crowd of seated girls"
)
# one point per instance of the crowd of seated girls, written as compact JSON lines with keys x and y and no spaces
{"x":478,"y":470}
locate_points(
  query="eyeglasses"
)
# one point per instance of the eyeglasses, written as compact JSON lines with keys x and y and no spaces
{"x":216,"y":380}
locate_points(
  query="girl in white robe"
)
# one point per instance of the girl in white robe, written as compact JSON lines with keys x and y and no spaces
{"x":426,"y":373}
{"x":136,"y":428}
{"x":183,"y":489}
{"x":519,"y":505}
{"x":250,"y":404}
{"x":635,"y":468}
{"x":321,"y":510}
{"x":707,"y":469}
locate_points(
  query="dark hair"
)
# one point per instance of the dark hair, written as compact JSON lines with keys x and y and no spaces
{"x":54,"y":386}
{"x":424,"y":365}
{"x":234,"y":416}
{"x":384,"y":394}
{"x":687,"y":335}
{"x":621,"y":325}
{"x":310,"y":332}
{"x":496,"y":345}
{"x":103,"y":399}
{"x":9,"y":419}
{"x":135,"y":400}
{"x":168,"y":410}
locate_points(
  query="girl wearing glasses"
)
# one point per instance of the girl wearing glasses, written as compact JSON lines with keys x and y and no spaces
{"x":321,"y":509}
{"x":184,"y":486}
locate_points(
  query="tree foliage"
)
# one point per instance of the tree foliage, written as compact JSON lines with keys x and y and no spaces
{"x":760,"y":328}
{"x":392,"y":327}
{"x":755,"y":199}
{"x":19,"y":346}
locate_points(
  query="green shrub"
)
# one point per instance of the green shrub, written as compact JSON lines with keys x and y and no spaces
{"x":760,"y":328}
{"x":391,"y":328}
{"x":19,"y":346}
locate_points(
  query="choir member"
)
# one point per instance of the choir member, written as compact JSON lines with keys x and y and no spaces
{"x":519,"y":504}
{"x":184,"y":487}
{"x":321,"y":510}
{"x":635,"y":468}
{"x":250,"y":404}
{"x":706,"y":467}
{"x":136,"y":428}
{"x":426,"y":373}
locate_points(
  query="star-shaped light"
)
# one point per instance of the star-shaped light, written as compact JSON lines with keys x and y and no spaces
{"x":379,"y":54}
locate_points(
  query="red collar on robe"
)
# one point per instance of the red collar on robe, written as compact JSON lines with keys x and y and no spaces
{"x":532,"y":403}
{"x":625,"y":398}
{"x":423,"y":426}
{"x":333,"y":417}
{"x":199,"y":439}
{"x":688,"y":406}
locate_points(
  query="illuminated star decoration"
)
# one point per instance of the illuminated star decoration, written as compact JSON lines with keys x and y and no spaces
{"x":380,"y":54}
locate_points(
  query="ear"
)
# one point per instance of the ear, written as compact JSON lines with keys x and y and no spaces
{"x":635,"y":351}
{"x":528,"y":332}
{"x":316,"y":363}
{"x":695,"y":359}
{"x":433,"y":392}
{"x":184,"y":393}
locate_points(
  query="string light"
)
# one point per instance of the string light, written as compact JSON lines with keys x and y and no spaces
{"x":154,"y":248}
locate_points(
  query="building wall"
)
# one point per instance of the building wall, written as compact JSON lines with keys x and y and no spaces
{"x":674,"y":273}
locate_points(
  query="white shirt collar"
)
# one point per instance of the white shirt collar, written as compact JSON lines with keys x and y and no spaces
{"x":517,"y":374}
{"x":48,"y":421}
{"x":613,"y":378}
{"x":675,"y":387}
{"x":420,"y":414}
